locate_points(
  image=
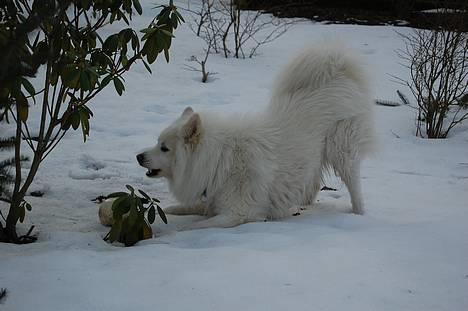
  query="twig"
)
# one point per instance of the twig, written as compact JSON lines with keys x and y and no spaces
{"x":387,"y":103}
{"x":395,"y":134}
{"x":403,"y":98}
{"x":3,"y":294}
{"x":27,"y":238}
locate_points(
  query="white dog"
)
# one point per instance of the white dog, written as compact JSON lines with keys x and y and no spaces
{"x":253,"y":168}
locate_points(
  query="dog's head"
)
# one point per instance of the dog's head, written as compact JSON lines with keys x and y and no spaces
{"x":183,"y":134}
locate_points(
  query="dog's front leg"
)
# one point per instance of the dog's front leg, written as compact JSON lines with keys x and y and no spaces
{"x":197,"y":209}
{"x":218,"y":221}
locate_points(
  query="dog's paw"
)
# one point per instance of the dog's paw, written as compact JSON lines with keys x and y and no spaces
{"x":295,"y":210}
{"x":173,"y":210}
{"x":357,"y":211}
{"x":179,"y":210}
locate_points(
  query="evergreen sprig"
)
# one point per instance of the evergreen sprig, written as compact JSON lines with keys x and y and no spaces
{"x":128,"y":211}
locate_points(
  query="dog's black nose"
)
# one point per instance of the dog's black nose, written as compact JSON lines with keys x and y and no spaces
{"x":140,"y":157}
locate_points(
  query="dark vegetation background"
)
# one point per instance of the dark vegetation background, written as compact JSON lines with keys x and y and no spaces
{"x":366,"y":12}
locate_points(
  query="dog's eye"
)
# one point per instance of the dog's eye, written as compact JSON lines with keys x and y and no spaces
{"x":164,"y":148}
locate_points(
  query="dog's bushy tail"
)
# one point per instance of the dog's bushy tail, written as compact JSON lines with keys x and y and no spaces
{"x":319,"y":81}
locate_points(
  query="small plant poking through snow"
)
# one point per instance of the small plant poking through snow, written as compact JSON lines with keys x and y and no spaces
{"x":130,"y":224}
{"x":3,"y":294}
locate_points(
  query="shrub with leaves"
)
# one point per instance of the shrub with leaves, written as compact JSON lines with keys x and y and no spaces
{"x":7,"y":179}
{"x":128,"y":211}
{"x":63,"y":39}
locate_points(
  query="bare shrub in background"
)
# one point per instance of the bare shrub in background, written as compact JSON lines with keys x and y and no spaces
{"x":225,"y":26}
{"x":438,"y":63}
{"x":210,"y":31}
{"x":3,"y":294}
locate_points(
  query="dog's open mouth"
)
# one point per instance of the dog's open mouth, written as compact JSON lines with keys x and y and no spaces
{"x":153,"y":172}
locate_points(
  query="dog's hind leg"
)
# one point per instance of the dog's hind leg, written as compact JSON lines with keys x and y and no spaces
{"x":312,"y":192}
{"x":185,"y":210}
{"x":218,"y":221}
{"x":342,"y":154}
{"x":349,"y":173}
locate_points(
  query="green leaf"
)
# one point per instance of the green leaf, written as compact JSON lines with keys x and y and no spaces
{"x":84,"y":117}
{"x":166,"y":55}
{"x":84,"y":81}
{"x":174,"y":21}
{"x":167,"y":33}
{"x":152,"y":53}
{"x":75,"y":120}
{"x":71,"y":75}
{"x":85,"y":4}
{"x":124,"y":17}
{"x":105,"y":81}
{"x":54,"y":77}
{"x":89,"y":112}
{"x":133,"y":215}
{"x":127,"y":5}
{"x":147,"y":66}
{"x":23,"y":112}
{"x":28,"y":86}
{"x":115,"y":231}
{"x":112,"y":18}
{"x":66,"y":124}
{"x":41,"y":51}
{"x":148,"y":33}
{"x":117,"y":194}
{"x":151,"y":214}
{"x":111,"y":44}
{"x":28,"y":206}
{"x":140,"y":202}
{"x":135,"y":42}
{"x":162,"y":214}
{"x":22,"y":106}
{"x":137,"y":6}
{"x":179,"y":16}
{"x":125,"y":36}
{"x":131,"y":238}
{"x":117,"y":204}
{"x":130,"y":188}
{"x":119,"y":87}
{"x":120,"y":207}
{"x":144,"y":194}
{"x":124,"y":60}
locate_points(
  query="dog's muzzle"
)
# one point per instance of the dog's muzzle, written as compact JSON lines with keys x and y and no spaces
{"x":153,"y":173}
{"x":140,"y":158}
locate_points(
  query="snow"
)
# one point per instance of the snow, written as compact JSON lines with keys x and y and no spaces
{"x":408,"y":252}
{"x":442,"y":10}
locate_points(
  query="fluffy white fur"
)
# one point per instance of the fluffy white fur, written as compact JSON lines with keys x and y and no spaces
{"x":253,"y":168}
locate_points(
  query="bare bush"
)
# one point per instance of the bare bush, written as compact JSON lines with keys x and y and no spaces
{"x":3,"y":294}
{"x":205,"y":26}
{"x":202,"y":66}
{"x":438,"y":63}
{"x":225,"y":26}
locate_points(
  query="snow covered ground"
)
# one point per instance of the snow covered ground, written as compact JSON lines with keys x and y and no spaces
{"x":409,"y":252}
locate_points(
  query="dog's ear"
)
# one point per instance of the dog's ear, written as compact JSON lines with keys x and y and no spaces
{"x":191,"y":130}
{"x":187,"y":111}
